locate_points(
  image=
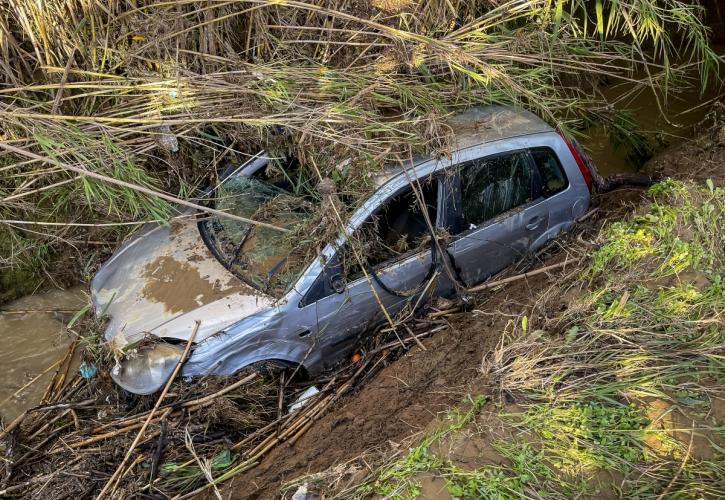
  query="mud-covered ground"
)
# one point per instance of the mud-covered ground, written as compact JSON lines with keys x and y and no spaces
{"x":407,"y":396}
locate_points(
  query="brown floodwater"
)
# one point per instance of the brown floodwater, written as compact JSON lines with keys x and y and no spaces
{"x":33,"y":338}
{"x":667,"y":122}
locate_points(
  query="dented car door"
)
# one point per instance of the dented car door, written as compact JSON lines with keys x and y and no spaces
{"x":500,"y":214}
{"x":361,"y":287}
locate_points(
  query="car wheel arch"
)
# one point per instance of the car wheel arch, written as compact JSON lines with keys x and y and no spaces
{"x":232,"y":360}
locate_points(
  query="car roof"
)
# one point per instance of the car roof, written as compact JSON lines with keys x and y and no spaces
{"x":492,"y":123}
{"x":480,"y":125}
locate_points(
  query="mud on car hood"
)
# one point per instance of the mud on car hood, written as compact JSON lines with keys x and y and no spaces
{"x":163,"y":280}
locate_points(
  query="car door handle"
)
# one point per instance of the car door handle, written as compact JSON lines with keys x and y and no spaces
{"x":534,"y":223}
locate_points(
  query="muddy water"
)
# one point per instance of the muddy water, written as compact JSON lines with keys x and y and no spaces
{"x":665,"y":122}
{"x":32,"y":340}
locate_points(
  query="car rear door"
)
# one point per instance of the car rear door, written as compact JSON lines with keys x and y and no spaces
{"x":500,"y":214}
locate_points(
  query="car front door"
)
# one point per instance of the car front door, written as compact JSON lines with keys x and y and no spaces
{"x":500,"y":214}
{"x":384,"y":267}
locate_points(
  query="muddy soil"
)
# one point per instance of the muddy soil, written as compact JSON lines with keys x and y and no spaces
{"x":700,"y":159}
{"x":408,"y":394}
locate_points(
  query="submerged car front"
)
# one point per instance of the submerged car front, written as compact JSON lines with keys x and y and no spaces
{"x":214,"y":271}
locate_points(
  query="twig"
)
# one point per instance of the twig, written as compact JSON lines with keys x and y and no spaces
{"x":444,"y":312}
{"x":417,"y":340}
{"x":31,"y":382}
{"x":18,"y":420}
{"x":63,"y":80}
{"x":518,"y":277}
{"x":35,"y":480}
{"x":111,"y":483}
{"x":191,"y":405}
{"x":51,"y":386}
{"x":419,"y":336}
{"x":204,"y":465}
{"x":63,"y":406}
{"x":280,"y":400}
{"x":206,"y":400}
{"x":108,"y":435}
{"x":158,"y":452}
{"x":28,"y":311}
{"x":69,"y":357}
{"x":588,"y":214}
{"x":135,"y":187}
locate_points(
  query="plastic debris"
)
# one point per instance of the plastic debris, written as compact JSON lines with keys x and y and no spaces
{"x":303,"y":399}
{"x":303,"y":493}
{"x":87,"y":370}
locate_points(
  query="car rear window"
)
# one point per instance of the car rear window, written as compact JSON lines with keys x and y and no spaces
{"x":553,"y":178}
{"x":493,"y":185}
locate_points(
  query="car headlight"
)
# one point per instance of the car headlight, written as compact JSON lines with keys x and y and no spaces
{"x":148,"y":368}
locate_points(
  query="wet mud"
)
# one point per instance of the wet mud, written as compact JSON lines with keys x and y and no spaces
{"x":180,"y":287}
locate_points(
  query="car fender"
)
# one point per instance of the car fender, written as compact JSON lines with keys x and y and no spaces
{"x":239,"y":356}
{"x":258,"y":338}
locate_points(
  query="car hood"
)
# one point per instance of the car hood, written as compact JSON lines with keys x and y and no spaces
{"x":163,"y":280}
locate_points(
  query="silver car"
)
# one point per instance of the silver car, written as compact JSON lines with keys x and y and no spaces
{"x":430,"y":228}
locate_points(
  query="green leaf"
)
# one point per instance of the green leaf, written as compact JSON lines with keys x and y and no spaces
{"x":600,"y":17}
{"x":571,"y":334}
{"x":557,"y":15}
{"x":77,"y":316}
{"x":222,"y":459}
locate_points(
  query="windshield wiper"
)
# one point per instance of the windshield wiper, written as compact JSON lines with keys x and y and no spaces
{"x":238,"y":251}
{"x":276,"y":268}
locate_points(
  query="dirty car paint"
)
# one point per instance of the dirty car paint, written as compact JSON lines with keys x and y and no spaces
{"x":315,"y":324}
{"x":163,"y":280}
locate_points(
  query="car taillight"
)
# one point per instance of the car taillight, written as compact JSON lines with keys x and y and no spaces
{"x":579,"y":161}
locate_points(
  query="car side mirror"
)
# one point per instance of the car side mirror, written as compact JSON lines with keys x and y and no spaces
{"x":338,"y":283}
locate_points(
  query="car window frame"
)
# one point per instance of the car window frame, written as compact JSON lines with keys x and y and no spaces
{"x":441,"y":166}
{"x":538,"y":173}
{"x":333,"y":260}
{"x":456,"y":218}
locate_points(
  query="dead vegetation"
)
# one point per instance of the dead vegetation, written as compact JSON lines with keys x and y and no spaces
{"x":87,"y":437}
{"x":104,"y":104}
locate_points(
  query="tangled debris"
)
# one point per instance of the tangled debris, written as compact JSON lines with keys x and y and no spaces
{"x":162,"y":96}
{"x":73,"y":442}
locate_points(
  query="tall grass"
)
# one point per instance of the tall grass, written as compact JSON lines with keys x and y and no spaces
{"x":347,"y":80}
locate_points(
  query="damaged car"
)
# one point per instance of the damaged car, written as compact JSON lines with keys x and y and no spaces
{"x":430,"y":228}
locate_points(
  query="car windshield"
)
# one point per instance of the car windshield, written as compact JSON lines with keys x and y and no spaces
{"x":265,"y":258}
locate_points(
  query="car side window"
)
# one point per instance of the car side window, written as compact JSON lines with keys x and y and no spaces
{"x":493,"y":185}
{"x":397,"y":229}
{"x":553,"y":178}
